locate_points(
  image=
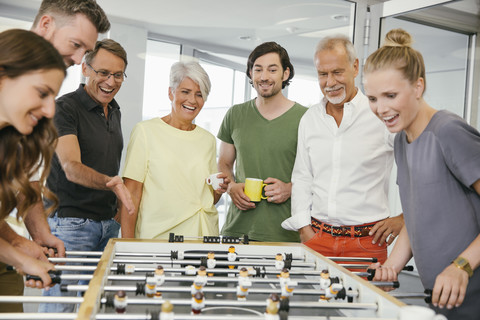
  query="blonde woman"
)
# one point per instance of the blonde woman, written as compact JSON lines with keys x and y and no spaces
{"x":438,"y":158}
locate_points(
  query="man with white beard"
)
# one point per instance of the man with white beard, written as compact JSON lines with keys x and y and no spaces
{"x":343,"y":164}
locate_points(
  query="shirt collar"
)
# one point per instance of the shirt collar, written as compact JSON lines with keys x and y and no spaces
{"x":89,"y":103}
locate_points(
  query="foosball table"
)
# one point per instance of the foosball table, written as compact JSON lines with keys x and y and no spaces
{"x":216,"y":279}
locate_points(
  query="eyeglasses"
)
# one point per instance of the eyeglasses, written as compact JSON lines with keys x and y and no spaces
{"x":117,"y":76}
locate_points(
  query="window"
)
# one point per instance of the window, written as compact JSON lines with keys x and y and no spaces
{"x":159,"y":58}
{"x":304,"y":90}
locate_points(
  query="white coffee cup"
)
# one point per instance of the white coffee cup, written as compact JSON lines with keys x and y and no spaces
{"x":214,"y":181}
{"x":419,"y":313}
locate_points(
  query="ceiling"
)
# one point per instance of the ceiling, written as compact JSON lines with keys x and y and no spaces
{"x":230,"y":26}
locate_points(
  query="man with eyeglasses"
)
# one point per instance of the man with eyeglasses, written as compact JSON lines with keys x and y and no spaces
{"x":84,"y":171}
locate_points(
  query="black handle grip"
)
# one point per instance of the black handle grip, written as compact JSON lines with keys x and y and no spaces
{"x":54,"y":275}
{"x":428,"y":298}
{"x":408,"y":268}
{"x":372,"y":274}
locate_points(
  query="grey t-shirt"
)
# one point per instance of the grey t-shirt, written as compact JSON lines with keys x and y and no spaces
{"x":442,"y":211}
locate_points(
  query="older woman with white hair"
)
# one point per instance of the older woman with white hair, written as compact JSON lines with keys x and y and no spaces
{"x":167,"y":162}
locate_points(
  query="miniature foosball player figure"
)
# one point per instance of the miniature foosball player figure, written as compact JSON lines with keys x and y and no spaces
{"x":129,"y":268}
{"x":286,"y":284}
{"x":167,"y":311}
{"x":243,"y":284}
{"x":211,"y":262}
{"x":150,"y":286}
{"x":273,"y":304}
{"x":159,"y":276}
{"x":120,"y":302}
{"x":275,"y":299}
{"x":279,"y":263}
{"x":190,"y":270}
{"x":329,"y":287}
{"x":231,"y":255}
{"x":200,"y":280}
{"x":198,"y":303}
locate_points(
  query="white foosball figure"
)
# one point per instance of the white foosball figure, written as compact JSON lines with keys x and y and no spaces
{"x":330,"y":290}
{"x":198,"y":303}
{"x":273,"y":304}
{"x":200,"y":281}
{"x":150,"y":286}
{"x":167,"y":311}
{"x":231,"y":255}
{"x":286,"y":284}
{"x":190,"y":270}
{"x":160,"y":275}
{"x":244,"y":284}
{"x":120,"y":302}
{"x":325,"y":280}
{"x":211,"y":262}
{"x":279,"y":263}
{"x":129,"y":269}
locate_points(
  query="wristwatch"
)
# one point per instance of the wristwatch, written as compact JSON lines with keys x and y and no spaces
{"x":463,"y":264}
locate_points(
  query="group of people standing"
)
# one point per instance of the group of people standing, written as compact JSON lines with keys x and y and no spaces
{"x":326,"y":168}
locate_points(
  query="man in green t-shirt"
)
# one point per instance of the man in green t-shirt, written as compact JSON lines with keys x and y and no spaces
{"x":260,"y":137}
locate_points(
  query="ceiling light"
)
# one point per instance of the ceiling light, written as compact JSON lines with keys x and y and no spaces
{"x":340,"y":17}
{"x":249,"y":38}
{"x":291,"y":20}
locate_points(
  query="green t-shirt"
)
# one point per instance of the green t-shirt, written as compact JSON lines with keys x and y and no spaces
{"x":264,"y":148}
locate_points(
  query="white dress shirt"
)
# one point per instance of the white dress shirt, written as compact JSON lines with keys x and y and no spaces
{"x":341,"y":173}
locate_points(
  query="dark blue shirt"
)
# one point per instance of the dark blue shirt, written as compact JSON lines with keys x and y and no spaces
{"x":101,"y":145}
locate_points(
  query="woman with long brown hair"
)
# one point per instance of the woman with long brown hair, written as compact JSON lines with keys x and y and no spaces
{"x":31,"y":73}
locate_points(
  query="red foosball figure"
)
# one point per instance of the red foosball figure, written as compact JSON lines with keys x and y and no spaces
{"x":120,"y":302}
{"x":198,"y":303}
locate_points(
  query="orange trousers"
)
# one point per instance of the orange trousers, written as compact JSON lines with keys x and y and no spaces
{"x":347,"y":246}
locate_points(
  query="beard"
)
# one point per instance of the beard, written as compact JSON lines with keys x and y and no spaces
{"x":336,"y":99}
{"x":268,"y":94}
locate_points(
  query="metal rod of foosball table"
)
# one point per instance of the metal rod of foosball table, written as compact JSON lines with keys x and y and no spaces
{"x":35,"y":316}
{"x":254,"y":303}
{"x":190,"y":262}
{"x":208,"y":302}
{"x":40,"y":299}
{"x":182,"y":270}
{"x":200,"y":255}
{"x":221,"y":317}
{"x":185,"y":255}
{"x":188,"y":279}
{"x":147,"y":316}
{"x":185,"y":279}
{"x":409,"y":295}
{"x":165,"y":289}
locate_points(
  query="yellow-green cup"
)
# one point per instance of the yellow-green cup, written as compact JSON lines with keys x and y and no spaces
{"x":253,"y":189}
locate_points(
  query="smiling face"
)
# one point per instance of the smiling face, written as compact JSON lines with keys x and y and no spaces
{"x":26,"y":99}
{"x":72,"y":37}
{"x":336,"y":75}
{"x":393,"y":98}
{"x":101,"y":89}
{"x":267,"y":75}
{"x":187,"y":101}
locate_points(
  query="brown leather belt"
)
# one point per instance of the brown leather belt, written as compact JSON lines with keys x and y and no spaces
{"x":343,"y":231}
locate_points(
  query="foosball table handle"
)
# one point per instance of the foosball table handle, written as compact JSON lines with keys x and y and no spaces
{"x":54,"y":275}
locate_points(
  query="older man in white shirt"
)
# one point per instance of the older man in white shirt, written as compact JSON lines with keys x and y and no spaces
{"x":343,"y":164}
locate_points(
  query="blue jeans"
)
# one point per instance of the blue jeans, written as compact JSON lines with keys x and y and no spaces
{"x":77,"y":234}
